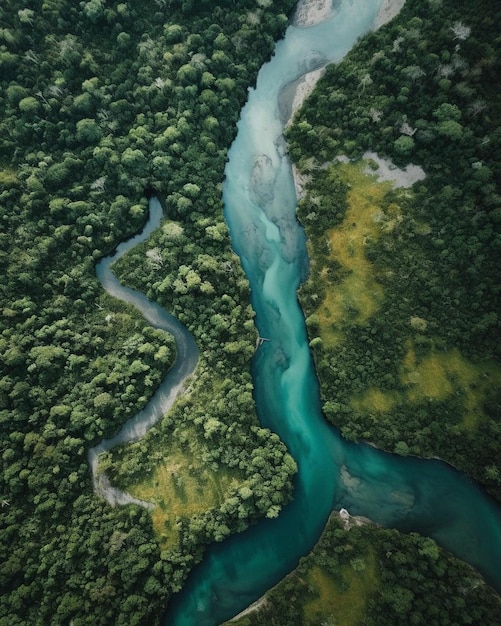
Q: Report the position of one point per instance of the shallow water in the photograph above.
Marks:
(405, 493)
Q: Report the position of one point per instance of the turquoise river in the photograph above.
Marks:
(409, 494)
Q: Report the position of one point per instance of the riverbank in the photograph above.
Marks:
(293, 96)
(354, 561)
(308, 13)
(299, 573)
(255, 606)
(311, 12)
(388, 10)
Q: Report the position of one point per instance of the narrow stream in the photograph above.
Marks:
(172, 384)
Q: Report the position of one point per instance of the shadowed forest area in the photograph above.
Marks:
(103, 103)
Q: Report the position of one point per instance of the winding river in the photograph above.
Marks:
(405, 493)
(172, 384)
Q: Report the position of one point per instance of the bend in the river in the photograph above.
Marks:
(405, 493)
(172, 383)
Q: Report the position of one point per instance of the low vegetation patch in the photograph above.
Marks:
(183, 485)
(342, 598)
(435, 377)
(402, 302)
(206, 466)
(357, 294)
(394, 375)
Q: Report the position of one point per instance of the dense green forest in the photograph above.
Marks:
(403, 303)
(103, 102)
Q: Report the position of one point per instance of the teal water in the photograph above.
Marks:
(405, 493)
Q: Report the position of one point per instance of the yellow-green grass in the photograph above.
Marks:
(8, 176)
(440, 374)
(342, 603)
(184, 480)
(357, 296)
(437, 376)
(181, 486)
(375, 400)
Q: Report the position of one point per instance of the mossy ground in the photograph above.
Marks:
(342, 599)
(180, 487)
(437, 376)
(173, 469)
(356, 294)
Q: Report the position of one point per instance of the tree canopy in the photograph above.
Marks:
(101, 103)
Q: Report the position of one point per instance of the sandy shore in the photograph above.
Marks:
(311, 12)
(388, 10)
(250, 609)
(308, 13)
(294, 94)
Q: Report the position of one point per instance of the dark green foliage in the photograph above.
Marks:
(100, 101)
(422, 89)
(415, 582)
(327, 202)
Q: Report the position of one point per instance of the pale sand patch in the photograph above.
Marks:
(305, 87)
(386, 171)
(300, 181)
(302, 90)
(388, 10)
(250, 609)
(350, 520)
(311, 12)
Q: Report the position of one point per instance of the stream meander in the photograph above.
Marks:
(171, 385)
(410, 494)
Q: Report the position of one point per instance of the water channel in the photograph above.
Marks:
(172, 384)
(405, 493)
